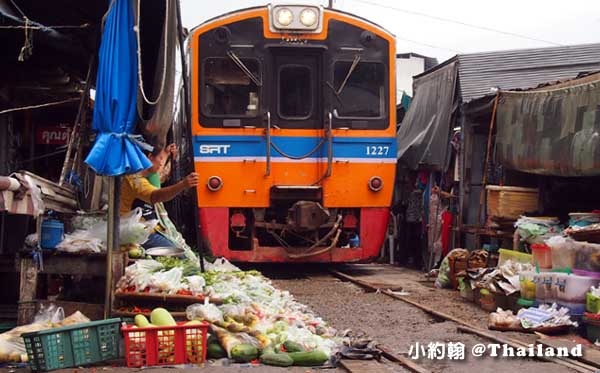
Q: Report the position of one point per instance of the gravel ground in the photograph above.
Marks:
(398, 325)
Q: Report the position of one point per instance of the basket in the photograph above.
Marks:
(458, 268)
(510, 202)
(74, 345)
(169, 345)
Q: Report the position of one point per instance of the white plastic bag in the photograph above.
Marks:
(50, 314)
(207, 311)
(196, 284)
(81, 242)
(132, 228)
(167, 282)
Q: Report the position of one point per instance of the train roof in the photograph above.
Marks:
(264, 6)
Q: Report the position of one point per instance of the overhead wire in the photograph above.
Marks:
(18, 9)
(449, 20)
(84, 25)
(427, 45)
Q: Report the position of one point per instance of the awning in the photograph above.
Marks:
(424, 136)
(554, 131)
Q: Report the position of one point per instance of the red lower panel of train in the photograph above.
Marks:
(217, 225)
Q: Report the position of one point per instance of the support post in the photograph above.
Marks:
(112, 239)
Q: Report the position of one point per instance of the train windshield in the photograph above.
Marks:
(229, 90)
(295, 91)
(362, 91)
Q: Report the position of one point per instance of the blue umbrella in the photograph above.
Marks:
(116, 151)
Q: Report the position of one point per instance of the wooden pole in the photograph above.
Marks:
(82, 101)
(487, 157)
(112, 239)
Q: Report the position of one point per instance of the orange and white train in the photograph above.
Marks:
(293, 124)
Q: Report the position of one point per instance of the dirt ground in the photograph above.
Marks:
(398, 325)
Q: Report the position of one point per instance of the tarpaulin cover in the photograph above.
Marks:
(424, 136)
(551, 132)
(159, 101)
(116, 151)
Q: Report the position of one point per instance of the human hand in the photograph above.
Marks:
(172, 150)
(191, 180)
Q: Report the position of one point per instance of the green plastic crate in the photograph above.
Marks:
(73, 346)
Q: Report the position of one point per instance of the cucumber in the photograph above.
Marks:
(215, 351)
(309, 359)
(291, 346)
(276, 359)
(244, 353)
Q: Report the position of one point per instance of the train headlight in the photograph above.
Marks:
(284, 17)
(308, 17)
(296, 19)
(214, 183)
(375, 183)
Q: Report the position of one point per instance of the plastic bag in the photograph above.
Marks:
(81, 242)
(50, 314)
(12, 346)
(196, 284)
(76, 318)
(168, 281)
(207, 311)
(220, 265)
(131, 228)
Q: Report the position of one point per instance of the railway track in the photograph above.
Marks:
(347, 299)
(463, 327)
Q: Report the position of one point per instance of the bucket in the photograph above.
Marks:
(52, 233)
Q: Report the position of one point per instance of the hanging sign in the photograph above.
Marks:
(52, 135)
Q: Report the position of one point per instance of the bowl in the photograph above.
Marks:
(165, 251)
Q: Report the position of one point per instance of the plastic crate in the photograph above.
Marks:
(73, 346)
(506, 254)
(181, 344)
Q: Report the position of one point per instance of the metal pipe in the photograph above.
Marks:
(268, 135)
(329, 144)
(186, 121)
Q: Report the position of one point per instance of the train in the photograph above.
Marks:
(293, 133)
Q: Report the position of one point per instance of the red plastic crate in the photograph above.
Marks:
(181, 344)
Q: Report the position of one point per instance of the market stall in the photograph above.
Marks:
(542, 206)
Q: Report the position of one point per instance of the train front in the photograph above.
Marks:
(293, 123)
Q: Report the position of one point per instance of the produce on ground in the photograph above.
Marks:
(255, 319)
(12, 346)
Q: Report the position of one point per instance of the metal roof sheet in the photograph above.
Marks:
(523, 68)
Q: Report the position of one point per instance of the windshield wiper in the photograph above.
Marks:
(244, 69)
(350, 71)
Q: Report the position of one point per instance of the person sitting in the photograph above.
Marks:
(137, 191)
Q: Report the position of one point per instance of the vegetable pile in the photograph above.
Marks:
(255, 322)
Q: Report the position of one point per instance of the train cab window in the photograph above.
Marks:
(295, 92)
(361, 90)
(229, 91)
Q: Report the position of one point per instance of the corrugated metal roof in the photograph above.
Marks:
(523, 68)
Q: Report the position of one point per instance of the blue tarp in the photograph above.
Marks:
(116, 151)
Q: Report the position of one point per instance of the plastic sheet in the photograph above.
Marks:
(550, 132)
(424, 135)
